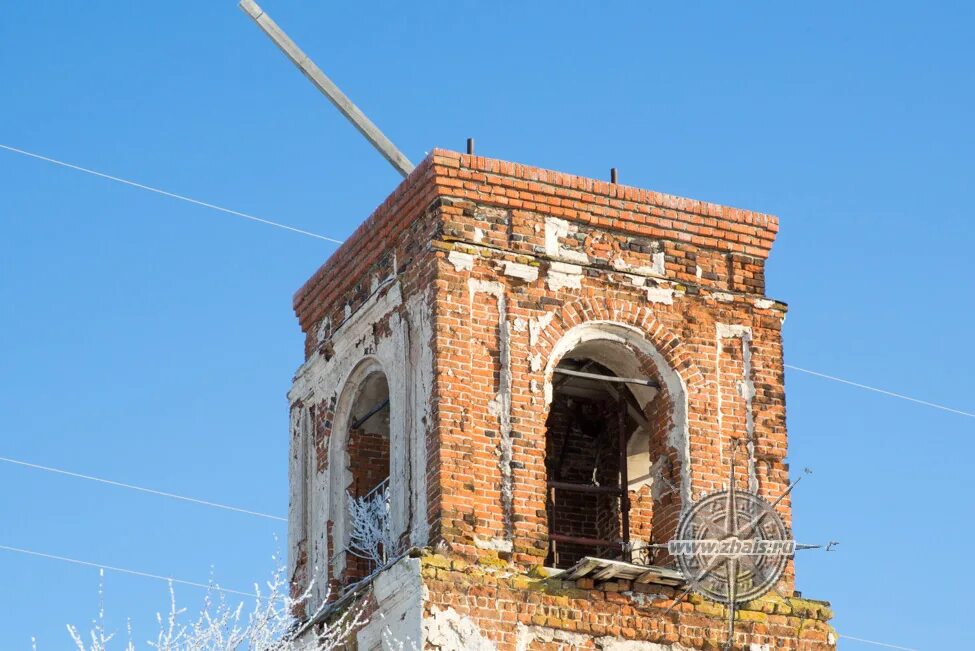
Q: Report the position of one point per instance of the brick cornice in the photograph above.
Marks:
(513, 186)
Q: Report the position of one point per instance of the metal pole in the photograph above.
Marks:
(359, 422)
(328, 88)
(624, 482)
(607, 378)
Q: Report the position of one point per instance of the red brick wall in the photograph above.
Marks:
(473, 231)
(518, 613)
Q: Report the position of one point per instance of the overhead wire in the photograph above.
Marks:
(172, 195)
(123, 570)
(326, 238)
(217, 588)
(874, 642)
(142, 489)
(882, 391)
(333, 240)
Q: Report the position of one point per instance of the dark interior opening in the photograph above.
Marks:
(585, 456)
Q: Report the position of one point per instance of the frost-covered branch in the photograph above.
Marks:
(268, 625)
(369, 530)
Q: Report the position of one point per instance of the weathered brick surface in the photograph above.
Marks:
(522, 612)
(511, 261)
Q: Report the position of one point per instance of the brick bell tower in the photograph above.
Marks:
(514, 381)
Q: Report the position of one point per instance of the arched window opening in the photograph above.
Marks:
(605, 440)
(367, 494)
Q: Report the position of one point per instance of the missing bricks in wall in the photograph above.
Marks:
(513, 273)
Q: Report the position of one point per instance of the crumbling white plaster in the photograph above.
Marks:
(419, 409)
(562, 275)
(555, 230)
(448, 630)
(323, 329)
(764, 303)
(478, 234)
(461, 261)
(745, 387)
(655, 268)
(535, 362)
(660, 295)
(537, 326)
(617, 644)
(529, 634)
(723, 297)
(525, 272)
(398, 624)
(496, 544)
(502, 400)
(406, 358)
(729, 331)
(659, 484)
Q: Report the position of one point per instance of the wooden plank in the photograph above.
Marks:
(328, 88)
(606, 573)
(661, 576)
(583, 567)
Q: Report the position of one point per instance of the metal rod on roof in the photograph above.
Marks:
(613, 175)
(328, 88)
(607, 378)
(470, 146)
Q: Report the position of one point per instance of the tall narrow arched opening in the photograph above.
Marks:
(359, 468)
(613, 447)
(367, 493)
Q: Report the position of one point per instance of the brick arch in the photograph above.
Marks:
(640, 318)
(636, 328)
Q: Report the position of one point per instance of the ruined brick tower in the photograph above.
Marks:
(464, 350)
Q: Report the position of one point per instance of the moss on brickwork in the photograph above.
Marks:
(499, 272)
(618, 608)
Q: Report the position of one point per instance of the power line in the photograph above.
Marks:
(122, 570)
(172, 195)
(884, 644)
(337, 241)
(883, 391)
(143, 489)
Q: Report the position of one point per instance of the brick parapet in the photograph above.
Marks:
(731, 243)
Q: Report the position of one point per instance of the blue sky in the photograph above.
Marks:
(153, 342)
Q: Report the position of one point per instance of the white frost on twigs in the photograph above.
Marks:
(268, 625)
(369, 531)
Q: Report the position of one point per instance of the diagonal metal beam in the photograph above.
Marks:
(328, 88)
(607, 378)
